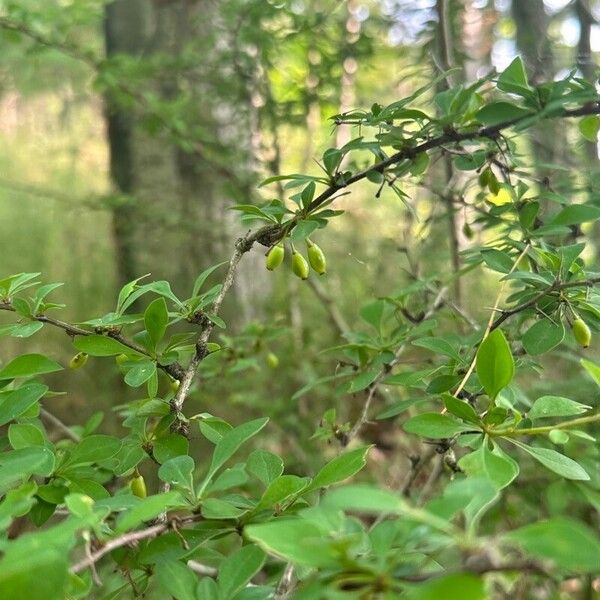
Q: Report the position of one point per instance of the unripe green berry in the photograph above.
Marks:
(316, 258)
(582, 333)
(78, 360)
(299, 265)
(272, 360)
(174, 384)
(138, 486)
(275, 256)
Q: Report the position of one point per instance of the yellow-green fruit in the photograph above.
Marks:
(316, 258)
(582, 333)
(272, 360)
(174, 384)
(138, 486)
(78, 360)
(275, 256)
(299, 265)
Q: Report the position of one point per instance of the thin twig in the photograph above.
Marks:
(202, 569)
(48, 416)
(242, 246)
(330, 306)
(123, 540)
(286, 583)
(174, 370)
(490, 323)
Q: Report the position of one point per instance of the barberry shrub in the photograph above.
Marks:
(86, 514)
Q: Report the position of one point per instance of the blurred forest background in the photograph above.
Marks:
(129, 128)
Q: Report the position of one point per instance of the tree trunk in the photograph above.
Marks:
(177, 221)
(531, 20)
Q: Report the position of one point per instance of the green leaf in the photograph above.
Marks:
(495, 365)
(13, 404)
(94, 449)
(213, 428)
(438, 345)
(370, 499)
(574, 214)
(264, 465)
(458, 585)
(169, 446)
(331, 159)
(140, 373)
(398, 407)
(589, 127)
(178, 471)
(24, 435)
(461, 409)
(435, 426)
(515, 73)
(20, 464)
(308, 194)
(156, 318)
(497, 260)
(362, 381)
(500, 112)
(36, 567)
(208, 590)
(556, 462)
(100, 345)
(293, 539)
(228, 445)
(238, 569)
(592, 369)
(470, 162)
(556, 406)
(28, 365)
(514, 79)
(364, 498)
(229, 478)
(215, 508)
(419, 164)
(303, 229)
(146, 509)
(542, 336)
(340, 468)
(281, 489)
(26, 330)
(203, 277)
(372, 313)
(494, 465)
(568, 543)
(126, 291)
(176, 579)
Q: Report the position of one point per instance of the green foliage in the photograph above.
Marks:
(227, 517)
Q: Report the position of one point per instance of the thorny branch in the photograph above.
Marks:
(269, 234)
(174, 370)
